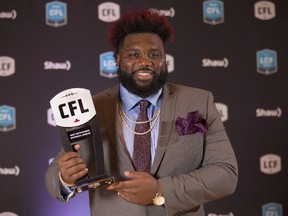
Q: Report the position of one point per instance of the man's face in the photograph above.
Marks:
(142, 64)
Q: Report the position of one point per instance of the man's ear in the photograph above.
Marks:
(117, 59)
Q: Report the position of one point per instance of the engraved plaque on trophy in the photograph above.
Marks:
(77, 123)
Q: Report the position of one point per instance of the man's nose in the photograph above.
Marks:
(144, 62)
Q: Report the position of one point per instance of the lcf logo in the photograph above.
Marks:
(272, 209)
(7, 118)
(267, 61)
(108, 67)
(56, 14)
(213, 12)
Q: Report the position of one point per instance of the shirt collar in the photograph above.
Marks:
(129, 100)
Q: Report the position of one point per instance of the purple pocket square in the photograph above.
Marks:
(192, 124)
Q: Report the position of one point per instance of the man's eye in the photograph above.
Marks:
(155, 55)
(133, 55)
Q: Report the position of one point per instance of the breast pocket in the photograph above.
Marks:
(185, 152)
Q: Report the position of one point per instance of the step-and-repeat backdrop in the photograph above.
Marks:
(236, 49)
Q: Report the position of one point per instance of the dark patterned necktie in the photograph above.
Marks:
(142, 143)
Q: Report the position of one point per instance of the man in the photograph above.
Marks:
(189, 160)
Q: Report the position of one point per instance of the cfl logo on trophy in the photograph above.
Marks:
(223, 111)
(213, 12)
(267, 61)
(272, 209)
(7, 66)
(56, 14)
(108, 12)
(7, 118)
(108, 67)
(270, 164)
(264, 10)
(170, 63)
(72, 107)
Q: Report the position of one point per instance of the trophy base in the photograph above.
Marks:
(93, 183)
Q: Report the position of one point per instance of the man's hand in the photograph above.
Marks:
(141, 189)
(71, 166)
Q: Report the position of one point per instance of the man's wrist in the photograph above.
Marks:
(159, 198)
(63, 182)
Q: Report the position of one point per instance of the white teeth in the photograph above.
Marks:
(144, 74)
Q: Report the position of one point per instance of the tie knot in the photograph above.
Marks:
(144, 104)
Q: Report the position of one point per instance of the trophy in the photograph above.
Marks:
(77, 123)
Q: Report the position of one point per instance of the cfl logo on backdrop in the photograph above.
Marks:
(223, 111)
(170, 63)
(56, 14)
(213, 12)
(7, 118)
(272, 209)
(267, 61)
(50, 118)
(108, 12)
(7, 66)
(270, 164)
(264, 10)
(108, 66)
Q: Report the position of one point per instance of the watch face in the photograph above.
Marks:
(159, 200)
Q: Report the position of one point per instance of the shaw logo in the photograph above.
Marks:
(108, 11)
(266, 61)
(56, 14)
(213, 214)
(270, 164)
(213, 12)
(169, 13)
(8, 15)
(49, 65)
(268, 113)
(223, 111)
(264, 10)
(7, 66)
(206, 62)
(10, 171)
(272, 209)
(8, 214)
(7, 118)
(170, 63)
(108, 67)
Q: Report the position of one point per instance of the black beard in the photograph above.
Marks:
(157, 83)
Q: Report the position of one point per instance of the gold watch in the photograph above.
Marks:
(158, 199)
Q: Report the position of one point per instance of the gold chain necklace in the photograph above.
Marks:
(153, 120)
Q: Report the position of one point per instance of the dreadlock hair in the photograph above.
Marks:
(141, 21)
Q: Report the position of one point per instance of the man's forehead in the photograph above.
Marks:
(137, 39)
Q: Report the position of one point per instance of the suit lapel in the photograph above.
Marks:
(166, 124)
(114, 128)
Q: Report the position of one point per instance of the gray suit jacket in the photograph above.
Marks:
(192, 169)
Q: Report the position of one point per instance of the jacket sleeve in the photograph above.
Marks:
(215, 178)
(53, 184)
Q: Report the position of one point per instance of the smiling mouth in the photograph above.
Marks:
(144, 75)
